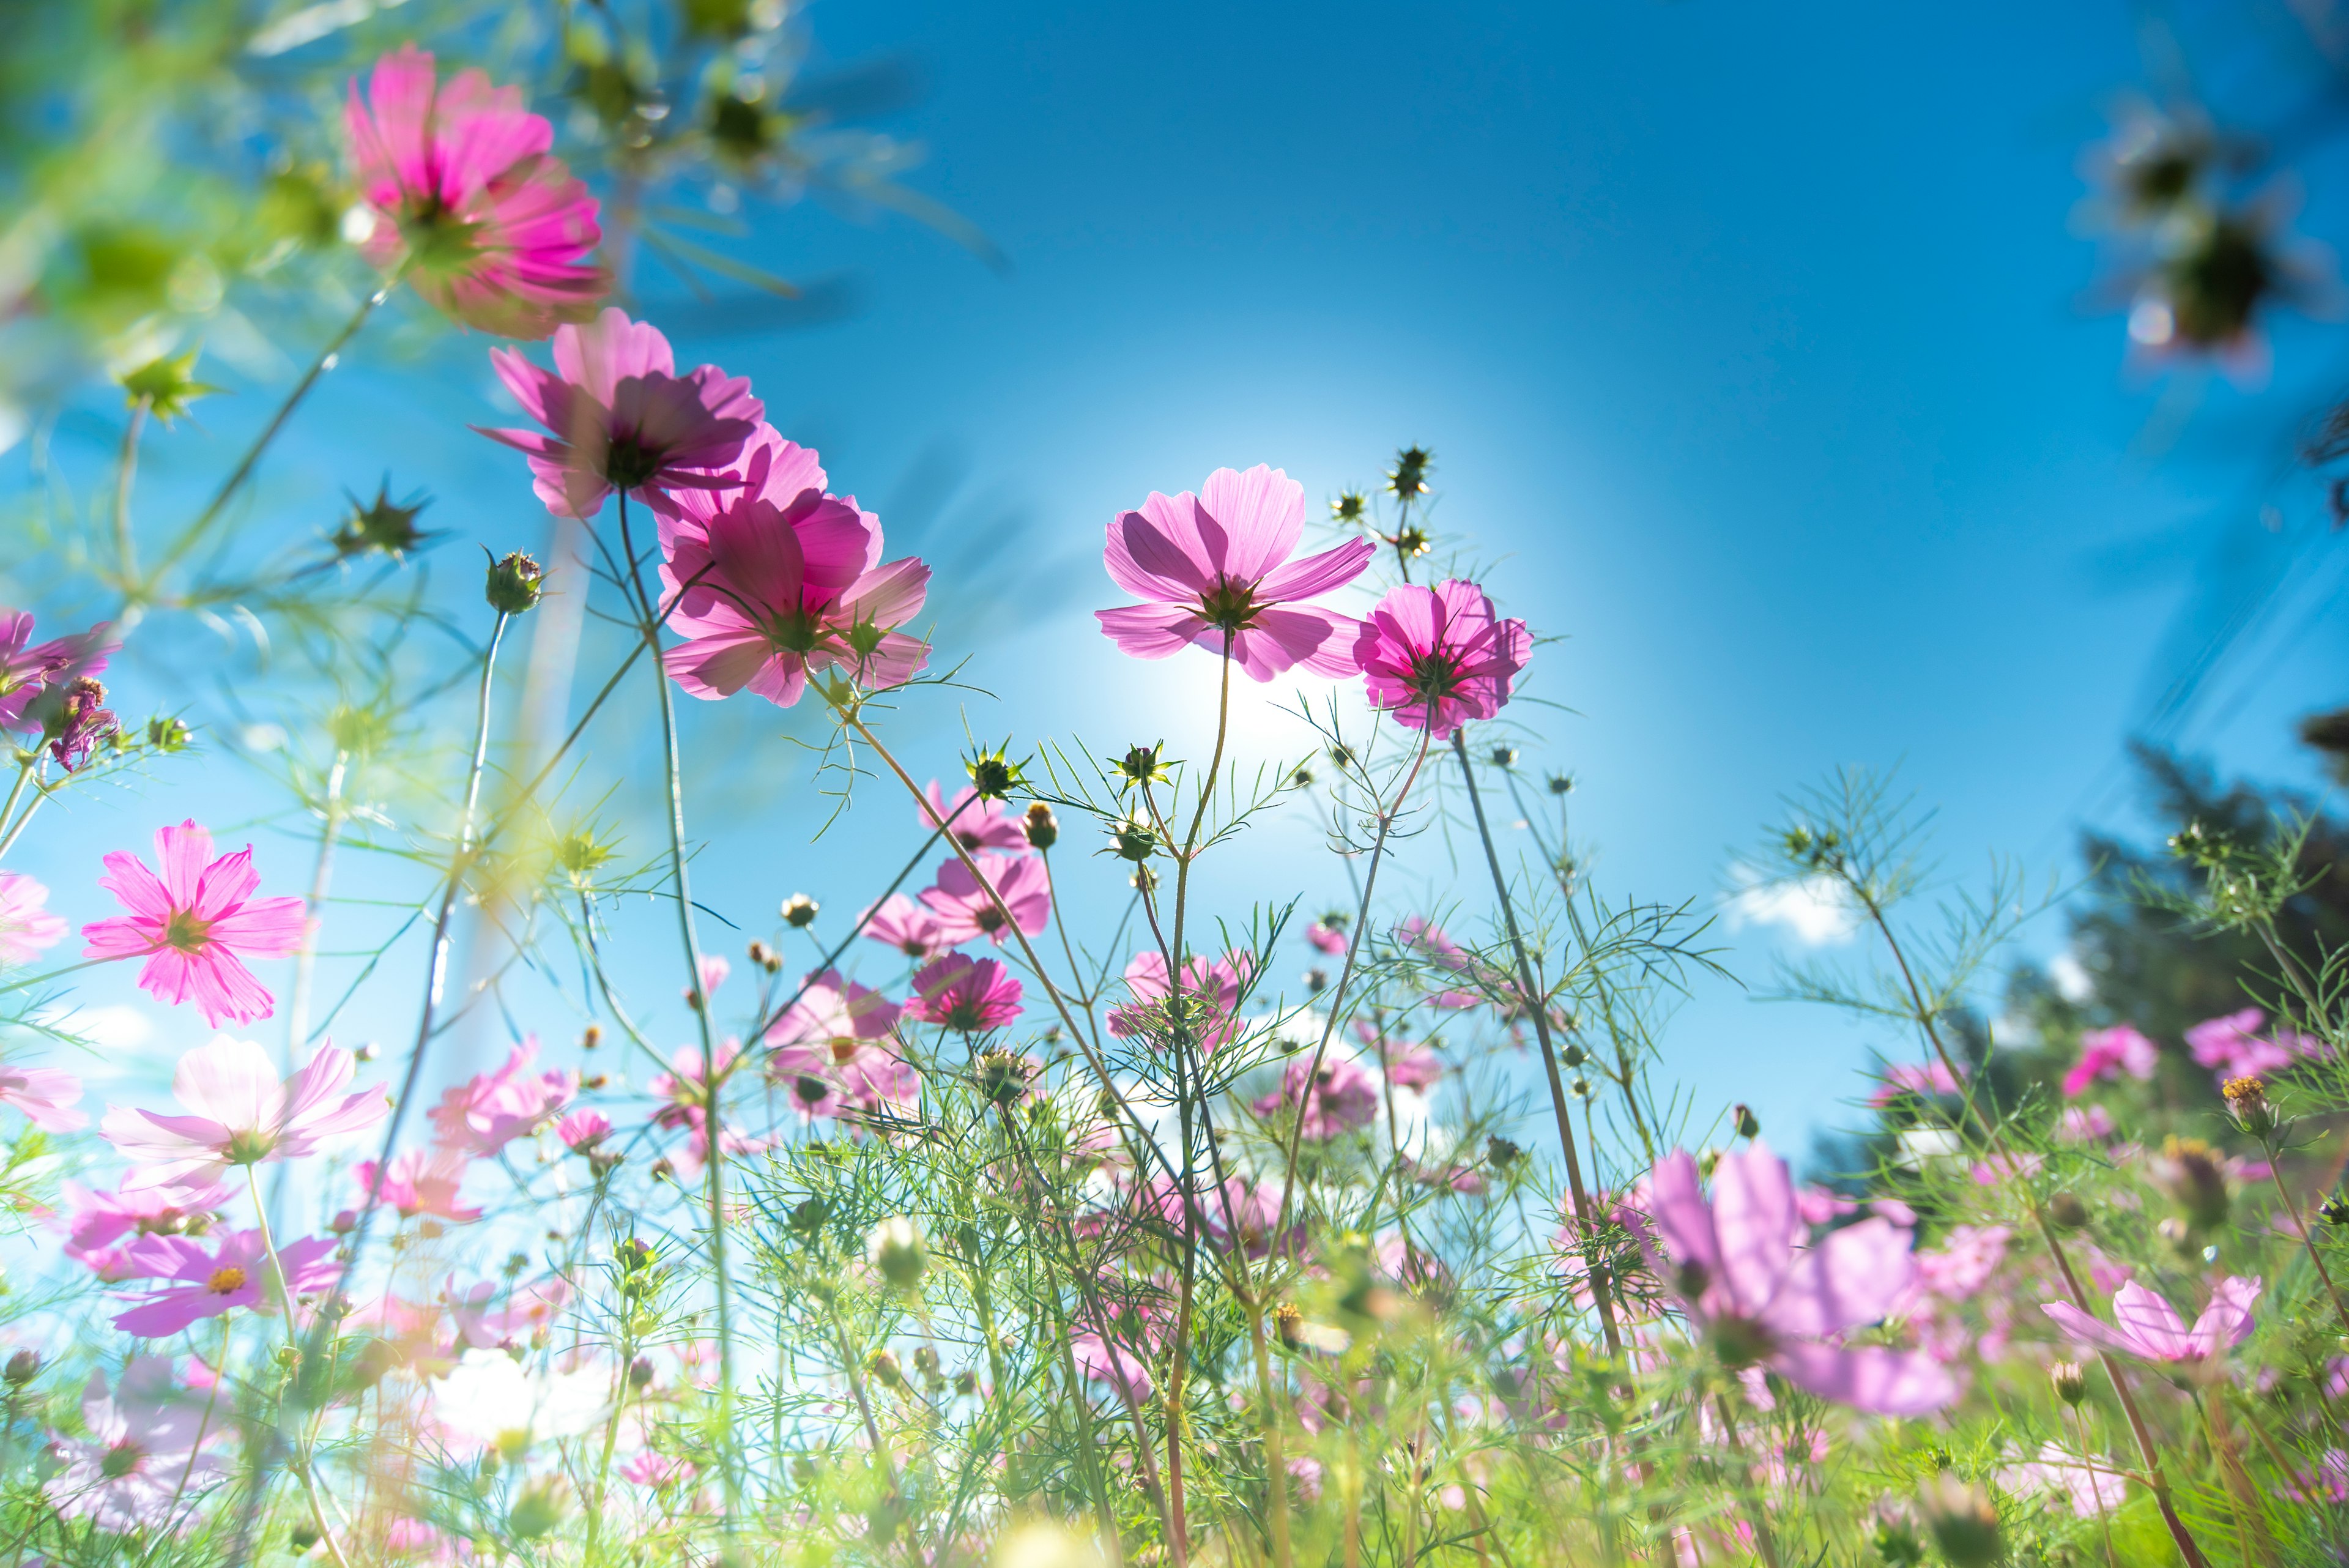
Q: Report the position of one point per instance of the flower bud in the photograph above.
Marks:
(885, 1366)
(169, 735)
(799, 911)
(514, 585)
(992, 774)
(1290, 1324)
(2071, 1380)
(2066, 1212)
(1963, 1521)
(1501, 1152)
(1574, 1055)
(538, 1510)
(895, 1249)
(1407, 480)
(1042, 828)
(1348, 507)
(1133, 839)
(1316, 980)
(2333, 1211)
(640, 1372)
(1141, 765)
(966, 1383)
(591, 1037)
(1749, 1125)
(1561, 783)
(2188, 1171)
(22, 1368)
(1504, 756)
(1002, 1076)
(2246, 1102)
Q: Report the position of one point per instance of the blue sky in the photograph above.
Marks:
(1753, 344)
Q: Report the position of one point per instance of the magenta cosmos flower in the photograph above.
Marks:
(461, 191)
(27, 669)
(1336, 1097)
(976, 824)
(1439, 657)
(1765, 1297)
(490, 1110)
(27, 927)
(965, 909)
(232, 1271)
(908, 927)
(242, 1114)
(621, 418)
(969, 995)
(1214, 566)
(778, 581)
(191, 923)
(139, 1452)
(2107, 1053)
(2148, 1327)
(95, 1220)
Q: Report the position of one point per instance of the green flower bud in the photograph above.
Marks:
(515, 584)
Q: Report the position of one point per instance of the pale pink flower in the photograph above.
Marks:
(685, 1088)
(1327, 938)
(1964, 1262)
(657, 1471)
(621, 417)
(908, 927)
(1209, 1002)
(976, 824)
(421, 1182)
(970, 996)
(1932, 1077)
(2148, 1327)
(27, 669)
(1215, 570)
(43, 1094)
(2229, 1048)
(463, 192)
(234, 1271)
(95, 1220)
(834, 1015)
(530, 1311)
(27, 927)
(1764, 1298)
(1409, 1063)
(1336, 1096)
(843, 1074)
(1823, 1205)
(1439, 657)
(582, 1130)
(1102, 1362)
(778, 581)
(191, 922)
(2090, 1124)
(490, 1110)
(2108, 1053)
(2091, 1486)
(965, 909)
(241, 1114)
(713, 970)
(139, 1451)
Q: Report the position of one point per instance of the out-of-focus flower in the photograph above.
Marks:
(490, 1110)
(659, 1473)
(530, 1311)
(2091, 1124)
(908, 927)
(27, 669)
(1412, 1064)
(2108, 1053)
(582, 1130)
(464, 195)
(243, 1114)
(835, 1016)
(235, 1272)
(1336, 1097)
(95, 1220)
(971, 996)
(966, 908)
(685, 1088)
(619, 417)
(1207, 1007)
(1215, 570)
(191, 922)
(139, 1451)
(491, 1399)
(1326, 937)
(1901, 1078)
(43, 1094)
(2090, 1485)
(1964, 1262)
(2148, 1327)
(421, 1182)
(2231, 1047)
(27, 927)
(75, 718)
(2216, 270)
(1765, 1299)
(977, 821)
(1438, 657)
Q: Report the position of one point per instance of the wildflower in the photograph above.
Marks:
(27, 670)
(967, 995)
(1041, 827)
(2089, 1485)
(75, 719)
(491, 1399)
(138, 1453)
(2229, 1046)
(27, 927)
(896, 1251)
(1336, 1097)
(581, 1131)
(95, 1220)
(234, 1272)
(713, 968)
(1439, 657)
(515, 584)
(977, 821)
(657, 1471)
(969, 905)
(829, 1023)
(464, 196)
(43, 1094)
(1207, 1009)
(621, 417)
(2247, 1101)
(1409, 1065)
(241, 1114)
(686, 1089)
(908, 927)
(1763, 1300)
(1932, 1077)
(490, 1110)
(1328, 934)
(419, 1182)
(2148, 1327)
(1215, 570)
(779, 581)
(2105, 1051)
(530, 1311)
(191, 922)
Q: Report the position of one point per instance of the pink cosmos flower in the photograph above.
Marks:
(657, 1471)
(835, 1014)
(582, 1130)
(139, 1454)
(2229, 1046)
(778, 581)
(685, 1087)
(242, 1114)
(965, 909)
(94, 1220)
(27, 927)
(1439, 657)
(191, 922)
(233, 1272)
(43, 1094)
(461, 191)
(1764, 1298)
(714, 969)
(1901, 1078)
(1338, 1096)
(418, 1181)
(622, 418)
(490, 1110)
(2090, 1485)
(1329, 939)
(530, 1311)
(2107, 1053)
(976, 824)
(2091, 1124)
(908, 927)
(1215, 572)
(26, 670)
(970, 996)
(1210, 1001)
(1409, 1064)
(844, 1077)
(2148, 1327)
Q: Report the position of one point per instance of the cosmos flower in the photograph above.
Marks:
(582, 1130)
(1439, 657)
(530, 1310)
(971, 996)
(490, 1110)
(2105, 1053)
(1216, 567)
(27, 927)
(1764, 1297)
(139, 1452)
(685, 1088)
(1326, 938)
(421, 1182)
(2231, 1047)
(241, 1114)
(43, 1094)
(621, 418)
(2148, 1327)
(95, 1220)
(234, 1271)
(192, 921)
(1901, 1078)
(28, 669)
(461, 191)
(910, 928)
(1209, 1002)
(976, 824)
(965, 909)
(1336, 1097)
(1409, 1064)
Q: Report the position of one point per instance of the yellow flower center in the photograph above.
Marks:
(226, 1282)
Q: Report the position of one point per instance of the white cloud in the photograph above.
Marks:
(113, 1028)
(1814, 909)
(2072, 980)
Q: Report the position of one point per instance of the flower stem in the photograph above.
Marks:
(126, 470)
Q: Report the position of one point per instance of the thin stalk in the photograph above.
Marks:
(2307, 1238)
(305, 957)
(126, 470)
(294, 1343)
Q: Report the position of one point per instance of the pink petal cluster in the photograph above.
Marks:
(192, 921)
(2108, 1053)
(490, 1110)
(95, 1220)
(1214, 571)
(911, 928)
(1766, 1296)
(240, 1114)
(234, 1271)
(139, 1451)
(1210, 999)
(1438, 657)
(1408, 1064)
(28, 669)
(685, 1088)
(777, 580)
(2231, 1047)
(828, 1051)
(1326, 938)
(618, 417)
(27, 927)
(1932, 1077)
(2145, 1326)
(463, 192)
(530, 1311)
(419, 1181)
(1336, 1097)
(968, 995)
(581, 1131)
(967, 905)
(976, 824)
(44, 1095)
